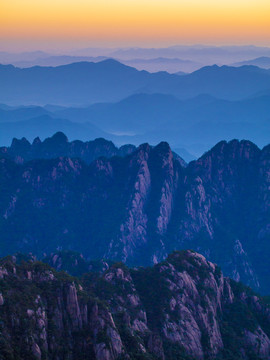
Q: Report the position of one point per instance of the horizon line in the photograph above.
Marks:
(125, 47)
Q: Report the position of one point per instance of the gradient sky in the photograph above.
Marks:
(29, 24)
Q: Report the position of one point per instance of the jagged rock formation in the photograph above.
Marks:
(182, 308)
(58, 145)
(139, 208)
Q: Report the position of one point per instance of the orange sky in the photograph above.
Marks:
(133, 22)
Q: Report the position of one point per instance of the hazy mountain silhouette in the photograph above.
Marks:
(22, 113)
(77, 83)
(9, 57)
(152, 65)
(206, 55)
(194, 124)
(6, 107)
(57, 60)
(203, 119)
(45, 126)
(263, 62)
(171, 65)
(224, 82)
(109, 80)
(198, 53)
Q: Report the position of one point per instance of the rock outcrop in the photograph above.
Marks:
(182, 308)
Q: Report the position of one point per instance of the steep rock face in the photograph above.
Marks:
(182, 308)
(220, 206)
(133, 229)
(139, 208)
(50, 314)
(262, 236)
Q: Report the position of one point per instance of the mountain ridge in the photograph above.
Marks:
(84, 85)
(262, 61)
(149, 204)
(58, 145)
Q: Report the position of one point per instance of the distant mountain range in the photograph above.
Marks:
(10, 57)
(140, 207)
(115, 101)
(157, 116)
(109, 81)
(171, 59)
(193, 125)
(198, 53)
(78, 83)
(151, 65)
(56, 60)
(14, 114)
(263, 62)
(170, 65)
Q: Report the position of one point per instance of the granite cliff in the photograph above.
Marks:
(182, 308)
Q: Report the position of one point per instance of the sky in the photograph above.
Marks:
(62, 24)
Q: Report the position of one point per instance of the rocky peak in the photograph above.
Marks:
(36, 141)
(19, 149)
(126, 149)
(58, 137)
(142, 152)
(224, 159)
(163, 147)
(20, 144)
